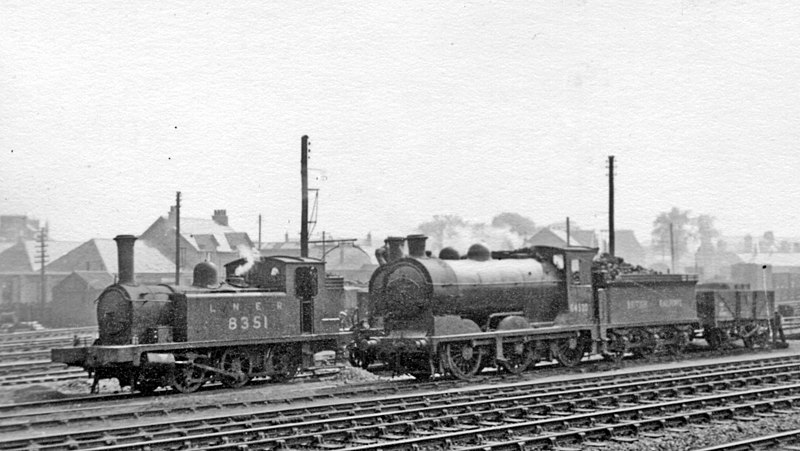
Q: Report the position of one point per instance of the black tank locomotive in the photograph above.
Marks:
(267, 321)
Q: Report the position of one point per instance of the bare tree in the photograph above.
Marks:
(680, 221)
(521, 225)
(704, 229)
(441, 227)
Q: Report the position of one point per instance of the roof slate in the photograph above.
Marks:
(146, 259)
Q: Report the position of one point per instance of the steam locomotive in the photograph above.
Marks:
(511, 309)
(269, 321)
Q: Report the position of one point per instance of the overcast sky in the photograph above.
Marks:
(413, 109)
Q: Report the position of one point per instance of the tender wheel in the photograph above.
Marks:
(284, 366)
(518, 357)
(237, 362)
(463, 360)
(187, 378)
(569, 352)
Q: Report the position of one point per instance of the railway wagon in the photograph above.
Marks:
(640, 311)
(727, 314)
(268, 319)
(510, 309)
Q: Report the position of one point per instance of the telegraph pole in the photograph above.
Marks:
(42, 260)
(259, 232)
(178, 238)
(611, 239)
(304, 188)
(672, 247)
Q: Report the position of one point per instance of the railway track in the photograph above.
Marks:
(47, 334)
(37, 373)
(534, 413)
(395, 387)
(783, 441)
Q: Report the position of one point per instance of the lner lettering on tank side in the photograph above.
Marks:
(235, 307)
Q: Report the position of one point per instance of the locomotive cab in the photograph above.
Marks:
(573, 266)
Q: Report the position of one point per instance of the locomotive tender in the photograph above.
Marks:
(511, 309)
(267, 321)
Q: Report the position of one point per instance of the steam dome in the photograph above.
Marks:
(479, 252)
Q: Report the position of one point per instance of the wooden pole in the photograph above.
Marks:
(304, 188)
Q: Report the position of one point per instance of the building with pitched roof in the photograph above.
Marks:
(342, 257)
(18, 227)
(74, 299)
(20, 277)
(100, 255)
(201, 239)
(558, 238)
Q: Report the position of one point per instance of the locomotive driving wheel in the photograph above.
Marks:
(518, 357)
(569, 352)
(236, 362)
(463, 360)
(188, 378)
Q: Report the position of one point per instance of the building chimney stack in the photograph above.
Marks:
(125, 258)
(220, 217)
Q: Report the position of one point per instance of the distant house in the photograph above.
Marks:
(20, 277)
(628, 247)
(100, 255)
(342, 257)
(18, 227)
(74, 299)
(201, 239)
(559, 238)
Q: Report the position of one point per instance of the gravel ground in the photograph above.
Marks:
(298, 387)
(711, 435)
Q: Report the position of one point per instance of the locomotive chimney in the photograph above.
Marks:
(125, 258)
(416, 245)
(395, 244)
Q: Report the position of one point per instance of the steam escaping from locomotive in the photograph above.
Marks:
(250, 256)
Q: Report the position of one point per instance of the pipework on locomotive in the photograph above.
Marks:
(511, 309)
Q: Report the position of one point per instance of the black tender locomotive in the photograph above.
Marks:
(268, 321)
(511, 309)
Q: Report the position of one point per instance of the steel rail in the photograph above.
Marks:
(782, 440)
(542, 404)
(487, 433)
(17, 411)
